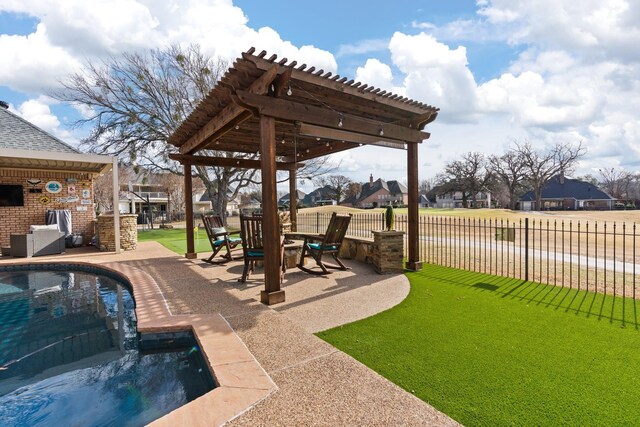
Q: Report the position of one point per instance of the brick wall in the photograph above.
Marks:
(16, 220)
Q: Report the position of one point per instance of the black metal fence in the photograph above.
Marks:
(590, 255)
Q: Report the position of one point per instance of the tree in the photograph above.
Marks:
(338, 186)
(469, 175)
(509, 170)
(541, 166)
(134, 102)
(616, 182)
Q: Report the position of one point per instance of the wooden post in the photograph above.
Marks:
(293, 200)
(116, 203)
(272, 293)
(188, 198)
(413, 259)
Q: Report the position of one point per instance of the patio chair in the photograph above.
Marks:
(327, 244)
(220, 239)
(253, 247)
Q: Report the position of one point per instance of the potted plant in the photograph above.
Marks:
(389, 218)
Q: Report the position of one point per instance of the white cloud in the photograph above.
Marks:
(362, 47)
(37, 111)
(72, 31)
(377, 74)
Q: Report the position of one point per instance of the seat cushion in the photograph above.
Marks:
(255, 253)
(316, 247)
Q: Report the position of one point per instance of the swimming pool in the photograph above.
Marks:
(70, 353)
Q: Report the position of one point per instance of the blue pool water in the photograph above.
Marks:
(70, 355)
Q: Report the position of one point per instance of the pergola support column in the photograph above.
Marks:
(413, 259)
(293, 201)
(272, 293)
(188, 198)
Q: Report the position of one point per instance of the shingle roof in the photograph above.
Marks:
(17, 133)
(299, 196)
(571, 188)
(393, 187)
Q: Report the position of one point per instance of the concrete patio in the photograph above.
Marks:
(316, 383)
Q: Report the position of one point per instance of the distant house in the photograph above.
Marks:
(379, 193)
(202, 203)
(284, 200)
(319, 197)
(455, 199)
(562, 193)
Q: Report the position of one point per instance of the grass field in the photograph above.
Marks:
(488, 350)
(175, 239)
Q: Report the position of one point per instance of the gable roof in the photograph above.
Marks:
(393, 187)
(299, 196)
(570, 189)
(17, 133)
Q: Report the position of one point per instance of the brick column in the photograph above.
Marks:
(388, 251)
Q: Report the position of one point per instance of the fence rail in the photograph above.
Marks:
(591, 255)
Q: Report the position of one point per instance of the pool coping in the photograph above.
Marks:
(242, 382)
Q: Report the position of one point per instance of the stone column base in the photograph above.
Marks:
(414, 265)
(191, 255)
(270, 298)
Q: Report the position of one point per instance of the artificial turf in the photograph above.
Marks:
(488, 350)
(175, 239)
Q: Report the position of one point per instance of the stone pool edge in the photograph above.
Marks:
(242, 382)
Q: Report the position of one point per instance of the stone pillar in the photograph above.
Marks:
(128, 232)
(388, 251)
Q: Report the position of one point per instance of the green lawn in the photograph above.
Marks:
(491, 351)
(175, 239)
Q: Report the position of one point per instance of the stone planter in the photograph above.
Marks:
(388, 251)
(128, 232)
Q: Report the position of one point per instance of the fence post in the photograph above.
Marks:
(317, 222)
(526, 249)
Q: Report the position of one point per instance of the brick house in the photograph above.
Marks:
(39, 172)
(379, 193)
(561, 193)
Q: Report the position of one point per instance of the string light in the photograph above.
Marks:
(381, 132)
(340, 122)
(289, 91)
(327, 144)
(237, 127)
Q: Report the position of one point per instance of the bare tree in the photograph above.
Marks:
(338, 186)
(541, 166)
(134, 102)
(469, 175)
(616, 182)
(509, 170)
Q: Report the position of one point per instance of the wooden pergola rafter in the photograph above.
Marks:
(287, 114)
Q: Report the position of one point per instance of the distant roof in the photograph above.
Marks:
(17, 133)
(570, 189)
(393, 187)
(299, 196)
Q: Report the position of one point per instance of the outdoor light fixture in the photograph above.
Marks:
(321, 132)
(237, 127)
(289, 91)
(340, 122)
(381, 131)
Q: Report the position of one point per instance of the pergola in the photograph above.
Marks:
(285, 114)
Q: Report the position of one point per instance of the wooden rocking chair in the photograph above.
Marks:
(253, 247)
(329, 243)
(220, 239)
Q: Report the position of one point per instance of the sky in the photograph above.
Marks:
(501, 71)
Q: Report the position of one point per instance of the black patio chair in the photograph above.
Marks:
(220, 239)
(327, 244)
(253, 245)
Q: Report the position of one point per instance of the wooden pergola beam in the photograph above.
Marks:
(345, 135)
(319, 151)
(186, 159)
(232, 115)
(294, 111)
(337, 85)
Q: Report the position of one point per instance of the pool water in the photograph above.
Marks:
(70, 355)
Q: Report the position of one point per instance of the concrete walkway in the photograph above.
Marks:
(317, 384)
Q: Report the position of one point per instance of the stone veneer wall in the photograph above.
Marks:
(128, 232)
(18, 219)
(388, 251)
